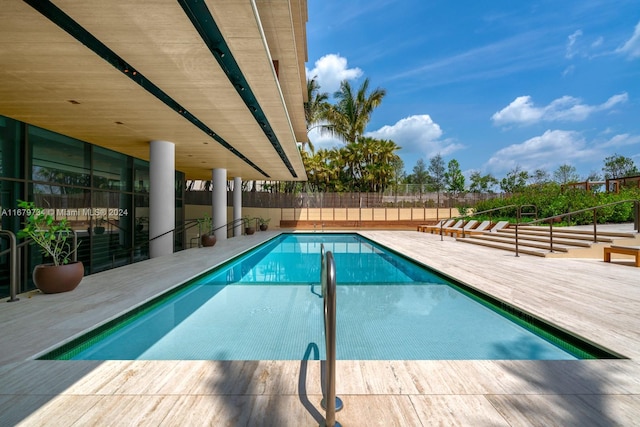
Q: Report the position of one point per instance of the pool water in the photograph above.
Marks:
(267, 305)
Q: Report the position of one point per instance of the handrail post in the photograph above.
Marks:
(595, 231)
(13, 265)
(517, 224)
(331, 403)
(551, 236)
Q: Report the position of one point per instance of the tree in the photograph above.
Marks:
(617, 166)
(420, 176)
(515, 181)
(315, 110)
(349, 117)
(540, 176)
(453, 178)
(481, 183)
(436, 171)
(368, 165)
(398, 174)
(566, 174)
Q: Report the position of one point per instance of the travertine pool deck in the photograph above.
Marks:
(596, 300)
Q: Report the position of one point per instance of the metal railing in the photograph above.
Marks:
(330, 402)
(551, 219)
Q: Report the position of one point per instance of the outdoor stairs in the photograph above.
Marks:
(567, 242)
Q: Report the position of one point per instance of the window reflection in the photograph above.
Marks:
(59, 159)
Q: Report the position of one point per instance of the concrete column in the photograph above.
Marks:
(162, 198)
(219, 203)
(237, 206)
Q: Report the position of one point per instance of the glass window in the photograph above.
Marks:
(10, 143)
(141, 176)
(180, 181)
(111, 170)
(111, 230)
(141, 236)
(59, 159)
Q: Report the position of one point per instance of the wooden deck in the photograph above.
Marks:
(596, 300)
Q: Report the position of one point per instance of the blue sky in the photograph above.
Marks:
(495, 85)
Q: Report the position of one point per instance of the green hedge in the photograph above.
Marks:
(549, 200)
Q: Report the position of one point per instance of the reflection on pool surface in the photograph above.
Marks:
(267, 305)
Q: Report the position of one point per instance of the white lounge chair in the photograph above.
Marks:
(444, 223)
(462, 230)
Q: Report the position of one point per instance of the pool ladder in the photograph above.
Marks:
(330, 402)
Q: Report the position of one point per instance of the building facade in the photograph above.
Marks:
(102, 193)
(107, 108)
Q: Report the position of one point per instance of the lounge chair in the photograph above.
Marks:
(499, 226)
(462, 230)
(444, 223)
(438, 229)
(482, 227)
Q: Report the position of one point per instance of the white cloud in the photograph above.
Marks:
(567, 108)
(568, 71)
(417, 135)
(330, 70)
(621, 140)
(323, 141)
(547, 151)
(598, 42)
(632, 46)
(573, 38)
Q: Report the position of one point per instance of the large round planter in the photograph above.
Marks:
(249, 230)
(53, 279)
(208, 240)
(263, 227)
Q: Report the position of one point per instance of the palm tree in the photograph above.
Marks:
(352, 112)
(316, 107)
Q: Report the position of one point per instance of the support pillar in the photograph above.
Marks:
(237, 206)
(162, 210)
(219, 203)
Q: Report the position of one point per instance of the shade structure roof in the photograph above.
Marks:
(222, 79)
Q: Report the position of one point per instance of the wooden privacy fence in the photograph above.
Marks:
(359, 217)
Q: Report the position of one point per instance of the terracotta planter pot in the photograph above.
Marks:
(208, 240)
(51, 279)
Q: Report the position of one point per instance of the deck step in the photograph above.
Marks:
(562, 235)
(527, 243)
(557, 240)
(503, 246)
(573, 231)
(535, 240)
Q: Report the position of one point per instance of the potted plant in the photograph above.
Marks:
(207, 238)
(248, 228)
(62, 274)
(264, 223)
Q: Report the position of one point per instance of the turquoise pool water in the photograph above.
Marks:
(267, 305)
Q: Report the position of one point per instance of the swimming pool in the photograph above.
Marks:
(267, 305)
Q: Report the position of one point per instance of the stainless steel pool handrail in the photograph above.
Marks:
(330, 402)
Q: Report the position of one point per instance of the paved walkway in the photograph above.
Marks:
(596, 300)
